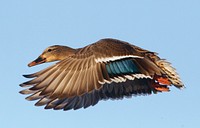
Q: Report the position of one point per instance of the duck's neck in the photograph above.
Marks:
(65, 52)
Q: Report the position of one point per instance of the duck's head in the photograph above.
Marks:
(53, 53)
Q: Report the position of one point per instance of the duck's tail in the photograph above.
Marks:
(171, 73)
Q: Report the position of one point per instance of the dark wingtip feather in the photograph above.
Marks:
(22, 92)
(40, 104)
(26, 84)
(26, 91)
(31, 98)
(58, 108)
(48, 107)
(22, 85)
(180, 86)
(29, 76)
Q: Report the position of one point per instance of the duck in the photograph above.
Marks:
(107, 69)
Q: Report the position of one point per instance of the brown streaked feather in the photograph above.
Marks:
(54, 83)
(34, 96)
(56, 87)
(38, 73)
(43, 101)
(83, 82)
(27, 91)
(81, 79)
(61, 87)
(96, 79)
(56, 91)
(105, 74)
(99, 73)
(37, 79)
(43, 84)
(41, 81)
(48, 87)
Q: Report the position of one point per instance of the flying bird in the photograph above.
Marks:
(106, 69)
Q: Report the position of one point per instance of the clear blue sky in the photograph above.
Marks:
(171, 28)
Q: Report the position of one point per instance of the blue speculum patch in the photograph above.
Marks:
(121, 67)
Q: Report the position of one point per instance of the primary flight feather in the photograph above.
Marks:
(106, 69)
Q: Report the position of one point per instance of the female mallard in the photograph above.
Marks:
(107, 69)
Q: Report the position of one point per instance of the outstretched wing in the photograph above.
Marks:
(103, 70)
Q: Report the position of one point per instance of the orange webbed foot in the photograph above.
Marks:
(161, 88)
(162, 80)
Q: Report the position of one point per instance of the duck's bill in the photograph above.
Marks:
(39, 60)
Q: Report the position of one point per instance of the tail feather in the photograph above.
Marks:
(170, 72)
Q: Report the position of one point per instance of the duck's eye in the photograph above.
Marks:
(49, 50)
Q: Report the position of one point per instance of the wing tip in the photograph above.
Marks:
(22, 92)
(22, 85)
(29, 75)
(180, 86)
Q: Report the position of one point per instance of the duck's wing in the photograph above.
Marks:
(106, 69)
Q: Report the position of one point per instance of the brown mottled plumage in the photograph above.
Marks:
(107, 69)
